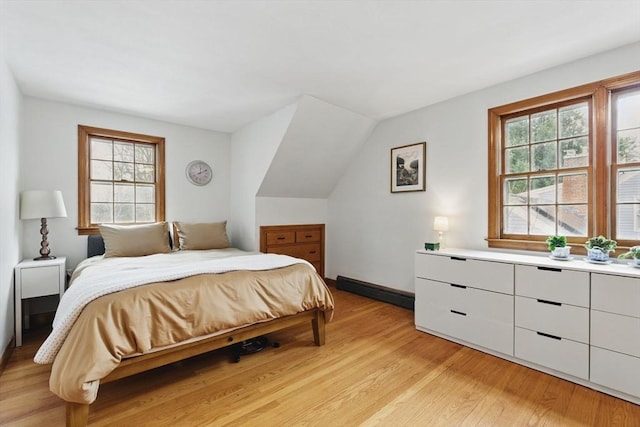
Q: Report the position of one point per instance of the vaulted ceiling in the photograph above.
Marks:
(220, 65)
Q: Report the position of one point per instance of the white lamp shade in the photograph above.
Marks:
(441, 223)
(42, 204)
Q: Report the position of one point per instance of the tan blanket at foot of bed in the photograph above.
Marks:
(149, 317)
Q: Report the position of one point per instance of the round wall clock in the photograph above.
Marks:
(199, 172)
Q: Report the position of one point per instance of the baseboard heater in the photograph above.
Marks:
(381, 293)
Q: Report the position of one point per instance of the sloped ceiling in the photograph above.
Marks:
(315, 150)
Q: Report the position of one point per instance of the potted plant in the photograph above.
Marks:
(634, 254)
(558, 246)
(598, 248)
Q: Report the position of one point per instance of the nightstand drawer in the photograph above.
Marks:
(563, 320)
(562, 355)
(553, 284)
(40, 281)
(280, 237)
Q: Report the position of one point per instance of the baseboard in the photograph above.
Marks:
(381, 293)
(6, 354)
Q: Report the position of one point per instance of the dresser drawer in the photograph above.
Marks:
(280, 237)
(307, 236)
(492, 276)
(615, 294)
(308, 251)
(615, 370)
(480, 317)
(497, 336)
(615, 332)
(551, 284)
(562, 355)
(566, 321)
(40, 281)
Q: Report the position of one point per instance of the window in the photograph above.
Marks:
(549, 166)
(120, 178)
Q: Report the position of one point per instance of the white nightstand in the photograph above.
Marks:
(37, 279)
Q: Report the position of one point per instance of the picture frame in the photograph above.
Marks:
(408, 168)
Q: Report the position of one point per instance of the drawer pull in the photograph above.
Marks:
(280, 238)
(544, 301)
(312, 252)
(458, 312)
(457, 286)
(308, 236)
(549, 336)
(455, 258)
(557, 270)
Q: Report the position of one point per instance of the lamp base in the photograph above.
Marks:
(44, 258)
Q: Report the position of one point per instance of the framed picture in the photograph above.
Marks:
(408, 168)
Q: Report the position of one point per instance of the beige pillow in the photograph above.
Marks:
(135, 240)
(206, 235)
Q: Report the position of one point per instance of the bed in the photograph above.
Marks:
(124, 314)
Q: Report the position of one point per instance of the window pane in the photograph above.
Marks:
(517, 160)
(572, 220)
(628, 185)
(101, 170)
(515, 191)
(542, 220)
(145, 173)
(543, 126)
(574, 152)
(124, 212)
(517, 131)
(543, 190)
(101, 213)
(628, 110)
(574, 120)
(629, 145)
(544, 156)
(145, 154)
(101, 149)
(122, 171)
(123, 193)
(572, 188)
(145, 194)
(123, 152)
(145, 213)
(628, 221)
(515, 220)
(101, 192)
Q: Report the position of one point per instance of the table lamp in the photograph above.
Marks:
(441, 224)
(42, 204)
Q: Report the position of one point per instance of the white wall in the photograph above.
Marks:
(290, 210)
(373, 234)
(252, 149)
(10, 246)
(50, 161)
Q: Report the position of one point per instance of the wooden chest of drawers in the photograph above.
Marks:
(301, 241)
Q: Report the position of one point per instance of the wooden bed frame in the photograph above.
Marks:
(77, 414)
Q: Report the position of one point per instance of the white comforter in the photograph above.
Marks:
(91, 283)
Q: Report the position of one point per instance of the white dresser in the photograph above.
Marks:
(576, 320)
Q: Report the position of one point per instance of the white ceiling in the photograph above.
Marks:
(222, 64)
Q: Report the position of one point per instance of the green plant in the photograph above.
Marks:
(556, 242)
(634, 252)
(602, 243)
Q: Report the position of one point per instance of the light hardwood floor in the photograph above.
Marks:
(375, 370)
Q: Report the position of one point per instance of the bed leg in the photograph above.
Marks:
(77, 414)
(318, 324)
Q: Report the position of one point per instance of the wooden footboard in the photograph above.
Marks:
(78, 414)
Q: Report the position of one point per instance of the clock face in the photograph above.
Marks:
(199, 172)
